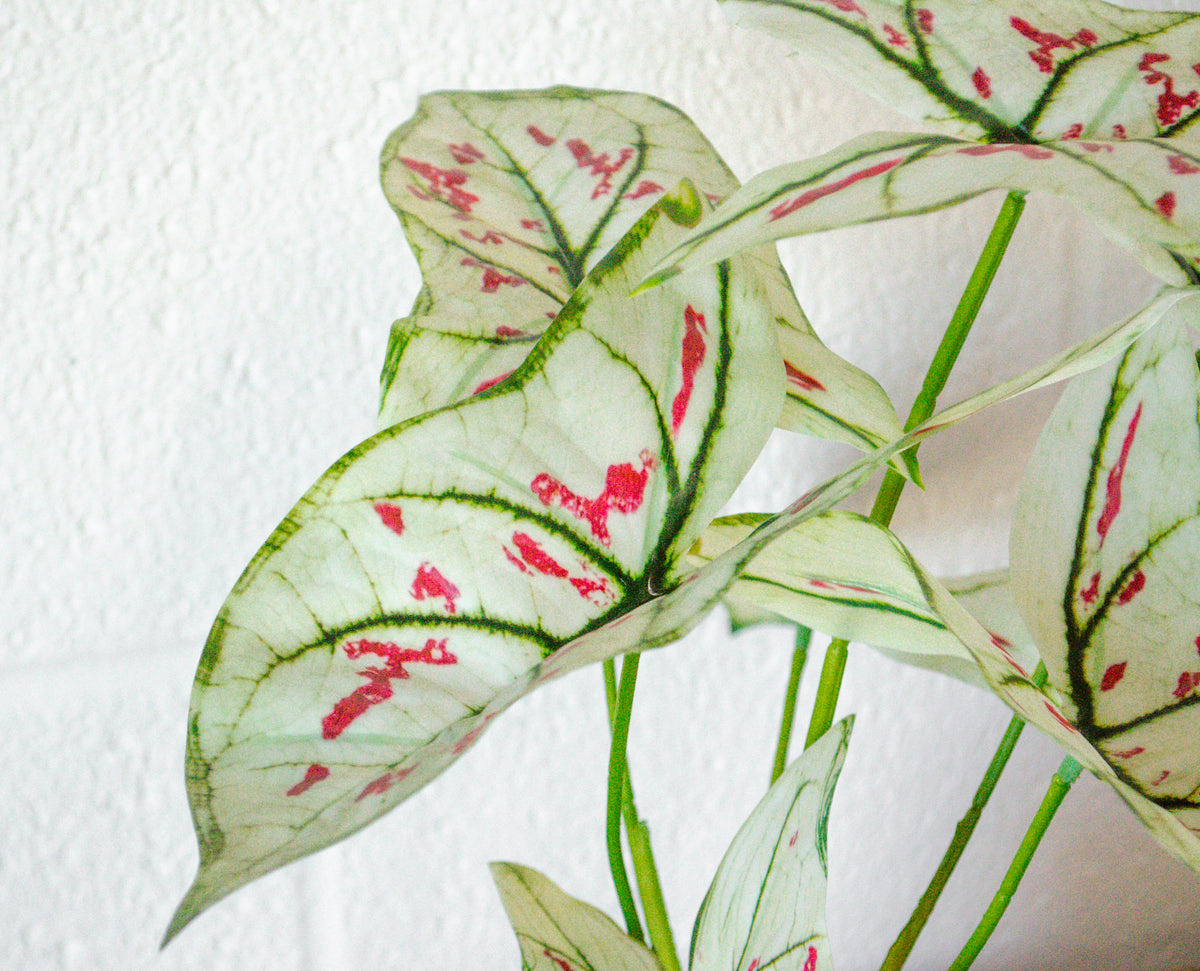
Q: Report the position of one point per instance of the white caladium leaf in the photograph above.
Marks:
(1145, 194)
(510, 198)
(414, 590)
(1106, 565)
(556, 932)
(840, 573)
(1009, 71)
(766, 905)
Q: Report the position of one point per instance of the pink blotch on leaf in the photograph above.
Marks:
(563, 964)
(539, 136)
(1048, 42)
(532, 224)
(812, 195)
(1112, 675)
(644, 188)
(490, 382)
(894, 37)
(491, 236)
(391, 517)
(1188, 682)
(430, 584)
(1029, 151)
(1074, 132)
(802, 380)
(509, 333)
(753, 965)
(1181, 165)
(982, 83)
(1118, 132)
(472, 736)
(444, 184)
(1130, 752)
(925, 20)
(600, 165)
(1112, 491)
(1170, 104)
(377, 787)
(378, 687)
(692, 357)
(493, 279)
(1162, 778)
(792, 841)
(846, 6)
(465, 154)
(316, 773)
(1092, 590)
(1058, 716)
(1165, 204)
(810, 963)
(1132, 588)
(624, 489)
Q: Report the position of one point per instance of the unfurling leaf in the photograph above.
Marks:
(556, 932)
(766, 906)
(414, 590)
(510, 198)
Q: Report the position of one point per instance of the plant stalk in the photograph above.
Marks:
(935, 380)
(621, 805)
(1060, 785)
(907, 938)
(618, 773)
(799, 656)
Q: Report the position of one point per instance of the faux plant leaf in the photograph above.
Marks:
(835, 574)
(413, 591)
(1145, 194)
(556, 932)
(766, 905)
(509, 198)
(1011, 71)
(1105, 548)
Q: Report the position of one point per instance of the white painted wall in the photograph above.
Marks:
(197, 280)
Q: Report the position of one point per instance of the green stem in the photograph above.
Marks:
(1060, 785)
(652, 897)
(799, 656)
(621, 805)
(907, 938)
(617, 794)
(944, 358)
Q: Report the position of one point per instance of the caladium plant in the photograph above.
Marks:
(594, 361)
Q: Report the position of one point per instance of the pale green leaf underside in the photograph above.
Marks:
(766, 905)
(556, 932)
(1010, 71)
(509, 198)
(1144, 194)
(412, 592)
(842, 574)
(1106, 566)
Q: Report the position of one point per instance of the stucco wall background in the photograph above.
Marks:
(198, 275)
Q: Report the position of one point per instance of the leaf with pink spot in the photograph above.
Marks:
(557, 176)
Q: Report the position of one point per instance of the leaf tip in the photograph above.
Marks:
(189, 908)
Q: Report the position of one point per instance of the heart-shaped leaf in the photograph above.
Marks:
(413, 591)
(1106, 564)
(1010, 71)
(766, 905)
(509, 198)
(1145, 194)
(556, 932)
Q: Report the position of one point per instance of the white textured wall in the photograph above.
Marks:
(197, 276)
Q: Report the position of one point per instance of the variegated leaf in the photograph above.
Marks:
(509, 198)
(766, 906)
(1010, 71)
(413, 591)
(1145, 194)
(1106, 563)
(556, 932)
(840, 573)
